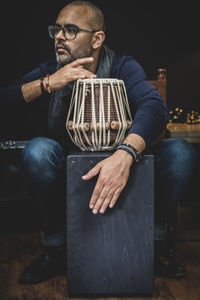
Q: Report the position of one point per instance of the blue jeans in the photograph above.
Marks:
(44, 167)
(175, 166)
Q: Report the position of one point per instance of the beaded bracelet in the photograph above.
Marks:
(42, 84)
(131, 150)
(47, 84)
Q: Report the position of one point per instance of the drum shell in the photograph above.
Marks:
(99, 115)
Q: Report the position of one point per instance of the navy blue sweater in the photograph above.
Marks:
(148, 108)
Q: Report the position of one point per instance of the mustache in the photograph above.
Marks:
(61, 43)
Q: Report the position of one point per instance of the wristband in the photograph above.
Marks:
(131, 150)
(42, 84)
(47, 84)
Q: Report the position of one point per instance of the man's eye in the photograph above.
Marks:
(57, 29)
(71, 29)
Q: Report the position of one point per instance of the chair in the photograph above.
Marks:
(161, 83)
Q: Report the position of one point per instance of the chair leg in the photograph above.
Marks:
(171, 241)
(165, 260)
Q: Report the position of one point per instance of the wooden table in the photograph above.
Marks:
(190, 132)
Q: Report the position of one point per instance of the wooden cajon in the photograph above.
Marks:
(110, 254)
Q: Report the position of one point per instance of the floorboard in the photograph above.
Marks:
(17, 250)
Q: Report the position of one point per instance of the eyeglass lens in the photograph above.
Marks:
(69, 31)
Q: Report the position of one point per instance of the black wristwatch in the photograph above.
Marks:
(131, 150)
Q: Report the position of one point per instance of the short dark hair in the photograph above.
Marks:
(97, 22)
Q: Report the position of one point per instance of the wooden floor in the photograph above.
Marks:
(17, 250)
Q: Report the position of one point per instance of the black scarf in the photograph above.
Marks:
(60, 100)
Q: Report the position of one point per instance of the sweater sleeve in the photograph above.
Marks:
(149, 111)
(12, 93)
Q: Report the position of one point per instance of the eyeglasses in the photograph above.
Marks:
(69, 31)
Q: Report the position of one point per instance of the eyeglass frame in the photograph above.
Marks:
(78, 30)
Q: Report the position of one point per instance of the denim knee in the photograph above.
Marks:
(41, 154)
(178, 155)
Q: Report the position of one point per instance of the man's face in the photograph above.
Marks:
(70, 50)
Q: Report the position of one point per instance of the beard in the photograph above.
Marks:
(71, 55)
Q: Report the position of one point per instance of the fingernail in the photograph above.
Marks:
(111, 205)
(94, 211)
(85, 176)
(101, 210)
(91, 206)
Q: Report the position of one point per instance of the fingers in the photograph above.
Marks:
(86, 75)
(110, 200)
(82, 73)
(98, 193)
(104, 195)
(103, 201)
(115, 197)
(82, 61)
(112, 179)
(93, 172)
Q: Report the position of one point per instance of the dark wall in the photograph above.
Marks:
(156, 33)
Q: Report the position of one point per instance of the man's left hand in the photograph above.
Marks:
(113, 175)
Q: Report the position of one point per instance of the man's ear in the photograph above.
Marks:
(98, 39)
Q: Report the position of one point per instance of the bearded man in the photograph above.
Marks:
(79, 34)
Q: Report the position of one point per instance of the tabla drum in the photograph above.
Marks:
(99, 114)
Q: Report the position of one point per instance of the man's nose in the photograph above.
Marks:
(60, 35)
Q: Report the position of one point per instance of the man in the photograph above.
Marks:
(79, 34)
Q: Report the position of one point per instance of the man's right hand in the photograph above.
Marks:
(59, 79)
(70, 72)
